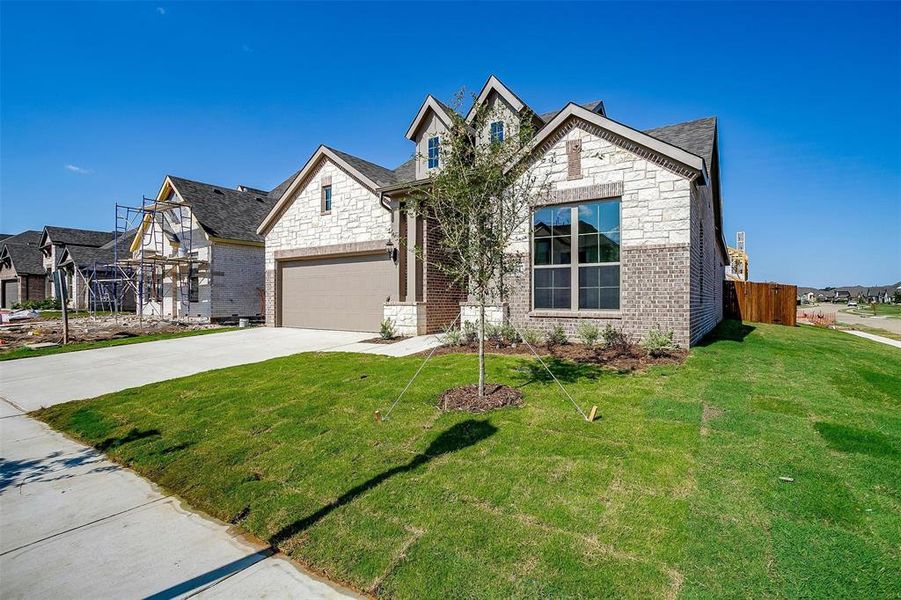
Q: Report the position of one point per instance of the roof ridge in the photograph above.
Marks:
(698, 120)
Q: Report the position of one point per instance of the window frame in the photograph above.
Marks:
(436, 148)
(327, 199)
(574, 263)
(497, 136)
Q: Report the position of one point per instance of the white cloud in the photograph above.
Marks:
(161, 10)
(79, 170)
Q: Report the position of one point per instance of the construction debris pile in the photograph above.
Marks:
(89, 329)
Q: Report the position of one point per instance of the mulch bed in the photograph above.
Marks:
(630, 358)
(467, 398)
(381, 340)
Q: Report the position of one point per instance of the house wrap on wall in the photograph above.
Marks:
(629, 233)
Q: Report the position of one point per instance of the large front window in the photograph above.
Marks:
(591, 271)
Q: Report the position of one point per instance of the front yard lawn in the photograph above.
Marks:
(674, 491)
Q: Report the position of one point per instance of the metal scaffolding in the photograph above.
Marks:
(141, 265)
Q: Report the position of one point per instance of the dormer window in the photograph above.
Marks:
(497, 131)
(434, 150)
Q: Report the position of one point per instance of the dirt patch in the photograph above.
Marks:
(467, 398)
(628, 358)
(88, 329)
(709, 413)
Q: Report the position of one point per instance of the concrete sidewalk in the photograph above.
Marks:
(875, 338)
(32, 383)
(75, 525)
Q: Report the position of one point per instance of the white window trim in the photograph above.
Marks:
(574, 264)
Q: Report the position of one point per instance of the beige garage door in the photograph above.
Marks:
(345, 293)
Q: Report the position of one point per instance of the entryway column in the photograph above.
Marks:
(411, 256)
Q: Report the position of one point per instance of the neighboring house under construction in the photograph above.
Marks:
(737, 269)
(197, 253)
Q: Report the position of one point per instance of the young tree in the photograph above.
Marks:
(480, 199)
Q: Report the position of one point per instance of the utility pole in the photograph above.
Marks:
(63, 294)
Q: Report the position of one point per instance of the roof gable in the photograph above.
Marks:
(430, 104)
(495, 85)
(369, 174)
(675, 158)
(26, 259)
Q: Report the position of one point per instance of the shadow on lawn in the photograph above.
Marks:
(729, 330)
(566, 371)
(133, 435)
(458, 437)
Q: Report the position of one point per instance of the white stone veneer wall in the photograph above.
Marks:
(495, 314)
(409, 318)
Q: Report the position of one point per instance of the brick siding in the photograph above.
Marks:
(442, 296)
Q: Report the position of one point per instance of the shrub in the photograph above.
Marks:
(45, 304)
(452, 337)
(509, 334)
(555, 336)
(658, 343)
(386, 330)
(588, 333)
(614, 338)
(470, 332)
(531, 336)
(493, 333)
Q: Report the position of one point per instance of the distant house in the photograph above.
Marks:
(841, 296)
(22, 274)
(85, 244)
(96, 281)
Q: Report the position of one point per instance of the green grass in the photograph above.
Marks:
(674, 491)
(882, 310)
(75, 347)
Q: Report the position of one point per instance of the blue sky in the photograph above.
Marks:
(99, 101)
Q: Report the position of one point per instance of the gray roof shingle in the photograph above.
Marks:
(377, 173)
(592, 106)
(78, 237)
(224, 212)
(696, 136)
(85, 257)
(29, 237)
(406, 172)
(26, 258)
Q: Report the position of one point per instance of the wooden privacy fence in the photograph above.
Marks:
(760, 302)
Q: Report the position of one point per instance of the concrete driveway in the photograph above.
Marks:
(75, 525)
(31, 383)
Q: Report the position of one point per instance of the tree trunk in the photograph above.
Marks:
(481, 347)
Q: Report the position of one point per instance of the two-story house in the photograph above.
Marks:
(628, 233)
(197, 254)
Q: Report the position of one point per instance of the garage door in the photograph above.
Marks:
(10, 293)
(346, 293)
